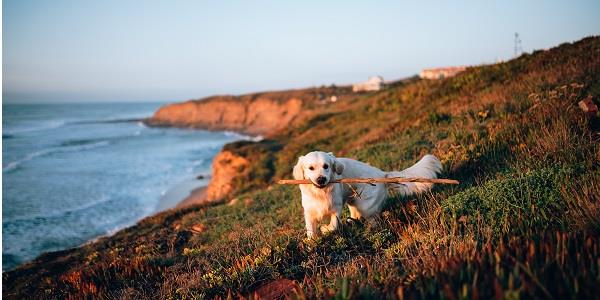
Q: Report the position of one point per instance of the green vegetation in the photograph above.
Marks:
(524, 222)
(261, 166)
(507, 205)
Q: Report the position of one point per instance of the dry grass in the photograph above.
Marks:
(524, 221)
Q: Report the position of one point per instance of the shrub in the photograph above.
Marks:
(517, 203)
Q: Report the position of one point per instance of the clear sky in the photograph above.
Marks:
(59, 51)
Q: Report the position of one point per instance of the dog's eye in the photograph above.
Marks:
(311, 168)
(325, 166)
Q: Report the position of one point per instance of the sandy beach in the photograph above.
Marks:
(196, 196)
(189, 192)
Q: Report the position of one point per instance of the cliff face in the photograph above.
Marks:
(256, 114)
(226, 166)
(259, 117)
(241, 165)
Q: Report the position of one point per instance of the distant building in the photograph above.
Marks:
(440, 73)
(374, 83)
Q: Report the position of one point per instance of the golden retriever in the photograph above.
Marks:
(322, 199)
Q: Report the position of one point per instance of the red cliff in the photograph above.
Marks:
(255, 114)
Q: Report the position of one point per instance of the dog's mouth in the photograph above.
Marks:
(320, 186)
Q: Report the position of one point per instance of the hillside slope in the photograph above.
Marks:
(524, 222)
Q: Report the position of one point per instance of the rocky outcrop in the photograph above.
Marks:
(259, 117)
(226, 167)
(241, 166)
(255, 114)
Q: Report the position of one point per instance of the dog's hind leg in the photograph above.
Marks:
(354, 213)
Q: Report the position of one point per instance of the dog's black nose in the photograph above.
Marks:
(321, 180)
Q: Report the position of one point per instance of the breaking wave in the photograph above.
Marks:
(78, 146)
(39, 126)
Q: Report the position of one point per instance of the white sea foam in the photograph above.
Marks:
(15, 164)
(86, 147)
(194, 164)
(141, 115)
(47, 125)
(198, 162)
(240, 136)
(60, 213)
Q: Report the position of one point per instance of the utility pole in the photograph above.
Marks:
(518, 47)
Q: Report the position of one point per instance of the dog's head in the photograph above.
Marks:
(318, 167)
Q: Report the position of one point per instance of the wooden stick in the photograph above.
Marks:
(372, 181)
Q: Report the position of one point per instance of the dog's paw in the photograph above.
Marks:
(310, 235)
(353, 222)
(326, 229)
(309, 243)
(309, 240)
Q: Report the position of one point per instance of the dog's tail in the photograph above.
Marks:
(428, 167)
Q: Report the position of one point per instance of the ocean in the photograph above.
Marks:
(74, 172)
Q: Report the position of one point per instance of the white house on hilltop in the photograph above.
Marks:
(441, 73)
(374, 83)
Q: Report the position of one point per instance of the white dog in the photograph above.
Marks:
(321, 199)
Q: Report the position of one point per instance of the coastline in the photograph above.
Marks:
(182, 189)
(182, 192)
(192, 191)
(196, 196)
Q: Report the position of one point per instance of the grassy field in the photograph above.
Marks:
(523, 223)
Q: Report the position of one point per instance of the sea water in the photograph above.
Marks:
(73, 172)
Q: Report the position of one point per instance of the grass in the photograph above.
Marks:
(523, 223)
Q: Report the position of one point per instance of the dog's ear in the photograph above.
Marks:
(298, 170)
(338, 167)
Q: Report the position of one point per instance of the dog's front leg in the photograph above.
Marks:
(334, 223)
(311, 224)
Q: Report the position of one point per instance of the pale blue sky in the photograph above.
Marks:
(59, 51)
